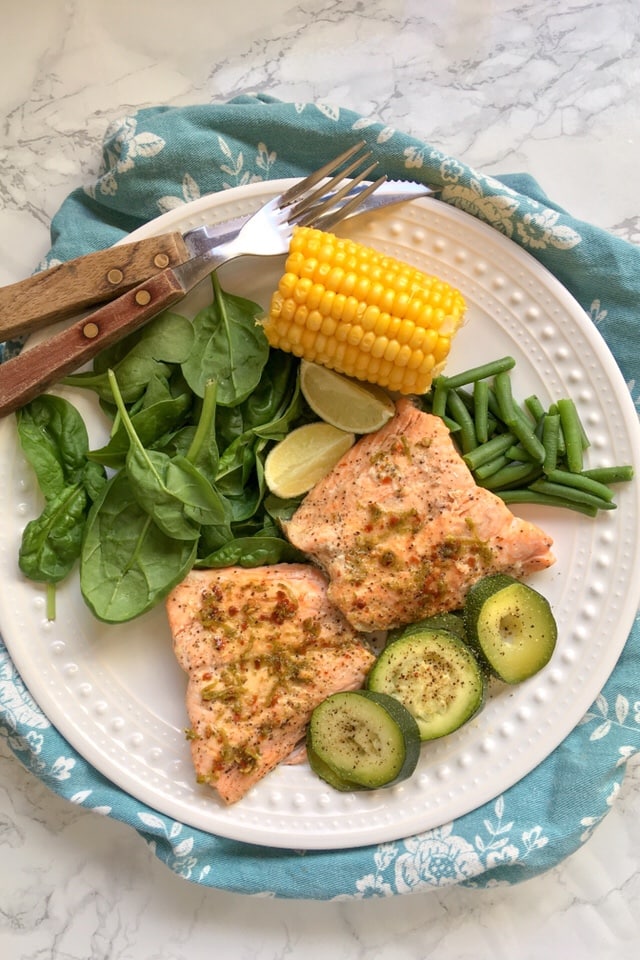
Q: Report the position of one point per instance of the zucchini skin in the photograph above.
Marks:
(345, 741)
(450, 621)
(511, 626)
(435, 675)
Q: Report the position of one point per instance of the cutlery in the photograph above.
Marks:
(319, 200)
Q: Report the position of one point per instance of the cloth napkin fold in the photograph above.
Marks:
(160, 158)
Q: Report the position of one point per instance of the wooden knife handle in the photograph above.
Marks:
(74, 286)
(37, 368)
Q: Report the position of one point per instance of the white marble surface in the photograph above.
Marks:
(551, 89)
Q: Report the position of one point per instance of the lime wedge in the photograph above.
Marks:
(345, 403)
(304, 457)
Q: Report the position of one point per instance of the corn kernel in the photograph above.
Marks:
(329, 326)
(314, 320)
(350, 310)
(370, 317)
(403, 356)
(301, 290)
(379, 347)
(342, 332)
(301, 314)
(337, 307)
(288, 310)
(392, 350)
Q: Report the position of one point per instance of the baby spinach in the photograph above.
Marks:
(54, 439)
(254, 551)
(172, 491)
(151, 423)
(166, 340)
(194, 408)
(128, 564)
(229, 346)
(51, 543)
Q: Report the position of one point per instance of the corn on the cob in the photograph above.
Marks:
(361, 313)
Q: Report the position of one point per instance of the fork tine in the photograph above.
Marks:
(326, 221)
(304, 212)
(328, 188)
(299, 188)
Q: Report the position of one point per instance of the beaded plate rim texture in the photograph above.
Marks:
(116, 693)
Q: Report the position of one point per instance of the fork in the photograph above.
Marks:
(316, 201)
(323, 198)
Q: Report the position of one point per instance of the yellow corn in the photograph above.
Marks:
(361, 313)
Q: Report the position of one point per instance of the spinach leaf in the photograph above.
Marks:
(54, 440)
(51, 543)
(164, 341)
(203, 451)
(128, 564)
(229, 346)
(151, 423)
(93, 479)
(264, 404)
(254, 551)
(279, 509)
(172, 491)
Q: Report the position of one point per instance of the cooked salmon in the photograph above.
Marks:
(261, 647)
(402, 530)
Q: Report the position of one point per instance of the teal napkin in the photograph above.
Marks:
(162, 157)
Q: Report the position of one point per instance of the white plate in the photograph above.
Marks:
(116, 693)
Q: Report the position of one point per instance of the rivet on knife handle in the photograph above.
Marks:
(39, 367)
(71, 287)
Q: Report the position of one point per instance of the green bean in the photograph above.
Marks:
(580, 482)
(620, 474)
(490, 467)
(550, 436)
(562, 448)
(481, 410)
(544, 500)
(514, 473)
(463, 418)
(504, 396)
(453, 426)
(489, 450)
(439, 402)
(515, 419)
(573, 433)
(565, 492)
(524, 453)
(494, 407)
(483, 372)
(534, 406)
(519, 452)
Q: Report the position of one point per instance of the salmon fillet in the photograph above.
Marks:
(402, 530)
(261, 647)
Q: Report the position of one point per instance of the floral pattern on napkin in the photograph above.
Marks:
(163, 157)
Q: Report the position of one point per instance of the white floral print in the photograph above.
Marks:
(124, 146)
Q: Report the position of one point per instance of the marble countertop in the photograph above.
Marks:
(507, 85)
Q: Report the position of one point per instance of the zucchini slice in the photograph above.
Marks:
(452, 622)
(361, 740)
(511, 625)
(435, 675)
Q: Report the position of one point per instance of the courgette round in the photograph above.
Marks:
(511, 625)
(362, 740)
(435, 675)
(450, 621)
